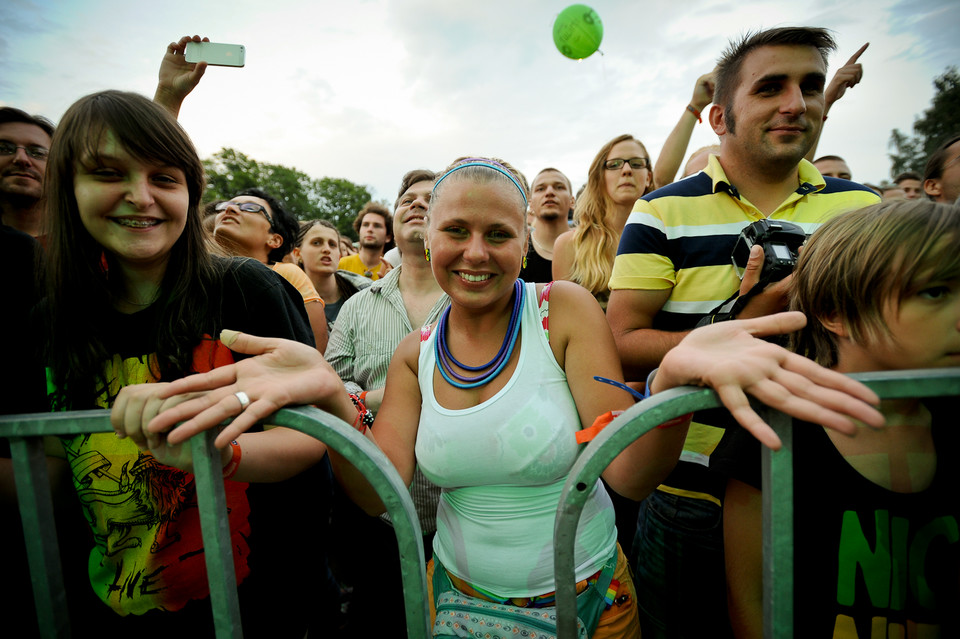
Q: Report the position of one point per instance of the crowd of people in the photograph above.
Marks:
(462, 336)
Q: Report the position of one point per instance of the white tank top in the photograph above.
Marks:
(501, 466)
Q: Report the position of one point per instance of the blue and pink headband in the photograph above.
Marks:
(490, 164)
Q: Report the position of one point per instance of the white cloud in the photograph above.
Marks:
(368, 90)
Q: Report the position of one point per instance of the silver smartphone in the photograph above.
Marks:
(216, 53)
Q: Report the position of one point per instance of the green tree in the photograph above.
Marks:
(339, 200)
(929, 130)
(333, 199)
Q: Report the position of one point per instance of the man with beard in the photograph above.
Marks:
(673, 270)
(368, 329)
(550, 201)
(373, 225)
(24, 141)
(24, 144)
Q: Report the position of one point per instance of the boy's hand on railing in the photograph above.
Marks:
(282, 373)
(729, 357)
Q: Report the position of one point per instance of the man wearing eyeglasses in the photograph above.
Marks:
(673, 269)
(24, 144)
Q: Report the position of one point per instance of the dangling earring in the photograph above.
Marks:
(426, 254)
(524, 263)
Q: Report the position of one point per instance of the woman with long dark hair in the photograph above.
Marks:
(134, 296)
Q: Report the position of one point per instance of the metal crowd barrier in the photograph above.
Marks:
(777, 485)
(26, 434)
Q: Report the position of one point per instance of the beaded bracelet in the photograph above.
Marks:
(364, 418)
(231, 468)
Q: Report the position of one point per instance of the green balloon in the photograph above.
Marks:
(577, 31)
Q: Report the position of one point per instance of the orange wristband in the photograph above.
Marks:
(231, 468)
(587, 434)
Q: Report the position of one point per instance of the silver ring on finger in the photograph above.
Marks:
(244, 400)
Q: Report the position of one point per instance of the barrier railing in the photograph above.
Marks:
(33, 490)
(26, 433)
(777, 485)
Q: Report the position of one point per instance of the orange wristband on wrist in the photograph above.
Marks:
(231, 468)
(587, 434)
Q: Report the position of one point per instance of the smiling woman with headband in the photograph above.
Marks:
(492, 402)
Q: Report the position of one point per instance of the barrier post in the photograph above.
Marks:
(33, 486)
(40, 535)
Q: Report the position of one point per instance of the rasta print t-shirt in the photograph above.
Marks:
(148, 551)
(148, 554)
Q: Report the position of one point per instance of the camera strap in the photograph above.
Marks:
(719, 315)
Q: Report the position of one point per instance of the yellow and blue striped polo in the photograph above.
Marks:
(681, 236)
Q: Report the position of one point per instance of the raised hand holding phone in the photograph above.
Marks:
(181, 69)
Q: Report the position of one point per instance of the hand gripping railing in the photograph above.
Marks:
(777, 485)
(36, 507)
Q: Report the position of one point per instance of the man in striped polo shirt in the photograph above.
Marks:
(674, 268)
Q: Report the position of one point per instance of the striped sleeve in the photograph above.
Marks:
(642, 260)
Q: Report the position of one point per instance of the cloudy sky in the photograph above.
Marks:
(368, 89)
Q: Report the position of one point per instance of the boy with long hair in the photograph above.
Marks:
(876, 536)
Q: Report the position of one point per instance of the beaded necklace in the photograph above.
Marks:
(446, 360)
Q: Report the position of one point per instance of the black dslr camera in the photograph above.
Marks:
(781, 242)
